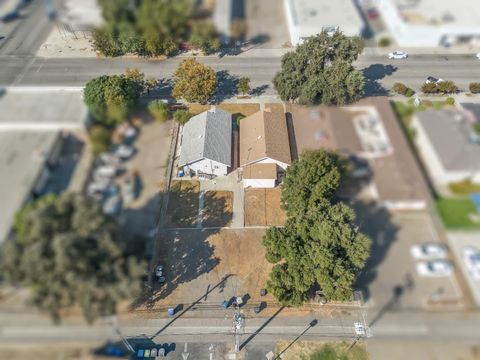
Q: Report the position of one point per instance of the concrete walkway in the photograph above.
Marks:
(229, 183)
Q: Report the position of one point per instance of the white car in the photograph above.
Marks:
(478, 56)
(433, 80)
(124, 152)
(471, 256)
(397, 55)
(435, 268)
(429, 251)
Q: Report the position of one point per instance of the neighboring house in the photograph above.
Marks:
(264, 140)
(367, 132)
(206, 143)
(448, 144)
(432, 22)
(306, 18)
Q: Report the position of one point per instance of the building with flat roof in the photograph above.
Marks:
(396, 181)
(31, 142)
(449, 145)
(206, 143)
(306, 18)
(431, 23)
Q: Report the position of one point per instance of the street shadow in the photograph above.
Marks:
(373, 74)
(181, 310)
(259, 90)
(263, 326)
(375, 222)
(227, 86)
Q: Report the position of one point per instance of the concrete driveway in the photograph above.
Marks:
(389, 279)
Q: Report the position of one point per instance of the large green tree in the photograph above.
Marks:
(110, 99)
(320, 70)
(194, 82)
(320, 243)
(67, 252)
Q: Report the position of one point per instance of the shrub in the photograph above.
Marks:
(205, 37)
(429, 88)
(400, 88)
(447, 87)
(409, 93)
(450, 100)
(474, 87)
(101, 139)
(106, 43)
(384, 42)
(159, 110)
(182, 116)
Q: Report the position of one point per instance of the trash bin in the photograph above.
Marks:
(225, 304)
(263, 292)
(171, 311)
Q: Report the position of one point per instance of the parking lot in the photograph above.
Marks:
(390, 276)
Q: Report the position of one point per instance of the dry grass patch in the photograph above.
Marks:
(183, 203)
(304, 350)
(263, 207)
(217, 208)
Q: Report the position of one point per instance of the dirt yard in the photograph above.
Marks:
(244, 109)
(183, 204)
(217, 208)
(196, 261)
(262, 207)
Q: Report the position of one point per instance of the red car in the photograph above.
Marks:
(372, 14)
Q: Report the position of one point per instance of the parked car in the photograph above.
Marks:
(471, 257)
(432, 80)
(159, 274)
(478, 56)
(396, 55)
(124, 152)
(109, 159)
(112, 205)
(10, 16)
(435, 268)
(105, 172)
(129, 193)
(97, 188)
(429, 251)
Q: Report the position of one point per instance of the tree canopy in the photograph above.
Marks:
(152, 27)
(320, 71)
(110, 99)
(67, 252)
(194, 82)
(320, 243)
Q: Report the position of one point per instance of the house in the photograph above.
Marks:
(367, 132)
(307, 18)
(206, 143)
(432, 23)
(264, 147)
(449, 145)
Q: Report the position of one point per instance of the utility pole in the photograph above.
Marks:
(238, 323)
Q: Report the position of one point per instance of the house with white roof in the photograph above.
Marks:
(206, 143)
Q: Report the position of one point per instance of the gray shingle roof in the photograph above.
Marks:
(451, 135)
(207, 136)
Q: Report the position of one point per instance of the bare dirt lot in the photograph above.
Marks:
(183, 204)
(196, 261)
(243, 109)
(262, 207)
(217, 208)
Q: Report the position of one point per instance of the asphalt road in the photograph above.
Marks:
(380, 72)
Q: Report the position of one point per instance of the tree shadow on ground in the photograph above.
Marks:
(229, 50)
(163, 88)
(257, 40)
(373, 74)
(227, 86)
(375, 222)
(184, 253)
(259, 90)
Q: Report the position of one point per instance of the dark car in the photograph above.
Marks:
(372, 14)
(10, 16)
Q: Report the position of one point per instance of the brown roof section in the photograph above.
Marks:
(397, 176)
(260, 171)
(264, 134)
